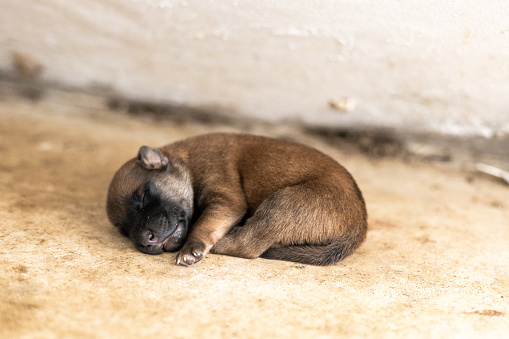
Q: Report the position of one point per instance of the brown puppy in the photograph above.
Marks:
(239, 195)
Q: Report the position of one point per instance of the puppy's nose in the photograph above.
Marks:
(148, 238)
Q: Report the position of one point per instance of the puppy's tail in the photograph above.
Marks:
(320, 255)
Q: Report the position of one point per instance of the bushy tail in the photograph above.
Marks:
(320, 255)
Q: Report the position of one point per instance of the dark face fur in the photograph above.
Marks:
(150, 201)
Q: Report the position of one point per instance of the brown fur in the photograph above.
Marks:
(241, 195)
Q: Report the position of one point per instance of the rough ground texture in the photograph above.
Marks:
(435, 263)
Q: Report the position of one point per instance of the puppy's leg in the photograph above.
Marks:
(276, 219)
(216, 221)
(248, 241)
(310, 218)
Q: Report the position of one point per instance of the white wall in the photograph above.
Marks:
(420, 65)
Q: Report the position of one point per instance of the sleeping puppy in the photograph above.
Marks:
(239, 195)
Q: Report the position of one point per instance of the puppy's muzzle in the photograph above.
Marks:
(166, 238)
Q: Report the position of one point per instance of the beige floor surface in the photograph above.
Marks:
(435, 263)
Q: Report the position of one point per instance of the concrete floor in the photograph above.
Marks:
(435, 263)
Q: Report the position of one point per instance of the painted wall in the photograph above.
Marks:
(418, 65)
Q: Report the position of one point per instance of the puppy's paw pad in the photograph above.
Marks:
(190, 254)
(185, 260)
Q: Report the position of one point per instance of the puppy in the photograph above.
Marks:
(239, 195)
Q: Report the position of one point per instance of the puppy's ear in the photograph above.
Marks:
(152, 158)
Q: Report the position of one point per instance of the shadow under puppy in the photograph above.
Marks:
(240, 195)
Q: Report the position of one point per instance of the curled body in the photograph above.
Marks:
(239, 195)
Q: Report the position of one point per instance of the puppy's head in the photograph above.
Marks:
(150, 200)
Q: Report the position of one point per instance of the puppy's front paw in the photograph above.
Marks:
(190, 254)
